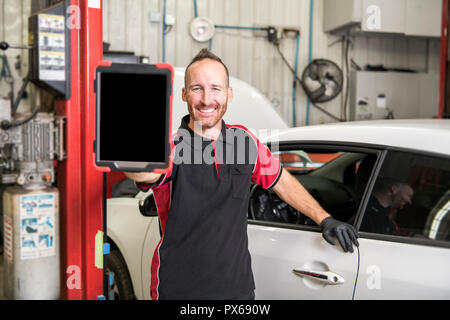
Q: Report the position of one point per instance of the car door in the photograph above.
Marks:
(410, 258)
(290, 258)
(277, 252)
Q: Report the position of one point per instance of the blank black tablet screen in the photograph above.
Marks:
(133, 117)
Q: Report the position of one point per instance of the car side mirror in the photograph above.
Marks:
(147, 207)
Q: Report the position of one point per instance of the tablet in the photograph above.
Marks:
(133, 117)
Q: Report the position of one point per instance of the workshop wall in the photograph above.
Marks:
(253, 59)
(127, 27)
(14, 30)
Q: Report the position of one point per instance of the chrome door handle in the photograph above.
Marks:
(326, 277)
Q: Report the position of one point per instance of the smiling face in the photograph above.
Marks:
(207, 95)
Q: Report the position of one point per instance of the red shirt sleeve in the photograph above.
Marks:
(267, 169)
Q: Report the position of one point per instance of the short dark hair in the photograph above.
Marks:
(384, 184)
(206, 54)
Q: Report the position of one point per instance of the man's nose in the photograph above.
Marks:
(206, 97)
(407, 200)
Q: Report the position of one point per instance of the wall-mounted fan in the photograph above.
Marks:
(322, 80)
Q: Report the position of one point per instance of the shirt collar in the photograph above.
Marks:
(205, 141)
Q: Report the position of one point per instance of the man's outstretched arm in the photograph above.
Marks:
(292, 192)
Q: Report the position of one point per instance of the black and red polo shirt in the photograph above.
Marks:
(202, 205)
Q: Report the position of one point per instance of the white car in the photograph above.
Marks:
(291, 260)
(341, 165)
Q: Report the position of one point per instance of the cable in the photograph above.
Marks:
(7, 75)
(164, 32)
(20, 94)
(277, 45)
(5, 125)
(310, 48)
(168, 29)
(105, 235)
(195, 9)
(341, 39)
(294, 87)
(3, 19)
(218, 26)
(347, 71)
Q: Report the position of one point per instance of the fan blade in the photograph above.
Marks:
(316, 94)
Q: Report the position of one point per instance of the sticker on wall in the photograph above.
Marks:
(52, 56)
(8, 238)
(37, 226)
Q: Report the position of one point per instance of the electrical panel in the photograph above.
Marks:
(399, 95)
(49, 38)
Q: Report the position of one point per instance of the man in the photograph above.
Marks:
(388, 198)
(202, 202)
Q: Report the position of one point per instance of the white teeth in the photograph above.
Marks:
(207, 111)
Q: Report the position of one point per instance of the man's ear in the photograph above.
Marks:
(230, 94)
(394, 189)
(183, 95)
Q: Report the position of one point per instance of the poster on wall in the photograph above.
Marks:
(52, 57)
(37, 226)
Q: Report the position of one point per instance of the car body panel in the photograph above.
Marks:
(394, 270)
(426, 135)
(127, 228)
(276, 252)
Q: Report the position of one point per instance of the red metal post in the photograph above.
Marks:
(443, 64)
(69, 181)
(91, 43)
(79, 183)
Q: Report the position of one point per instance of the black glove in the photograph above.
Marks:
(345, 233)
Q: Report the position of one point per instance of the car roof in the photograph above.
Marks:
(429, 135)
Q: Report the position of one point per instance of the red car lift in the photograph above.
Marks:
(80, 184)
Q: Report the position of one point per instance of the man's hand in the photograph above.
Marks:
(292, 192)
(344, 232)
(143, 177)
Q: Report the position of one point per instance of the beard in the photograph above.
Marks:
(207, 120)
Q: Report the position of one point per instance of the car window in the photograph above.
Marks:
(410, 198)
(303, 162)
(331, 176)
